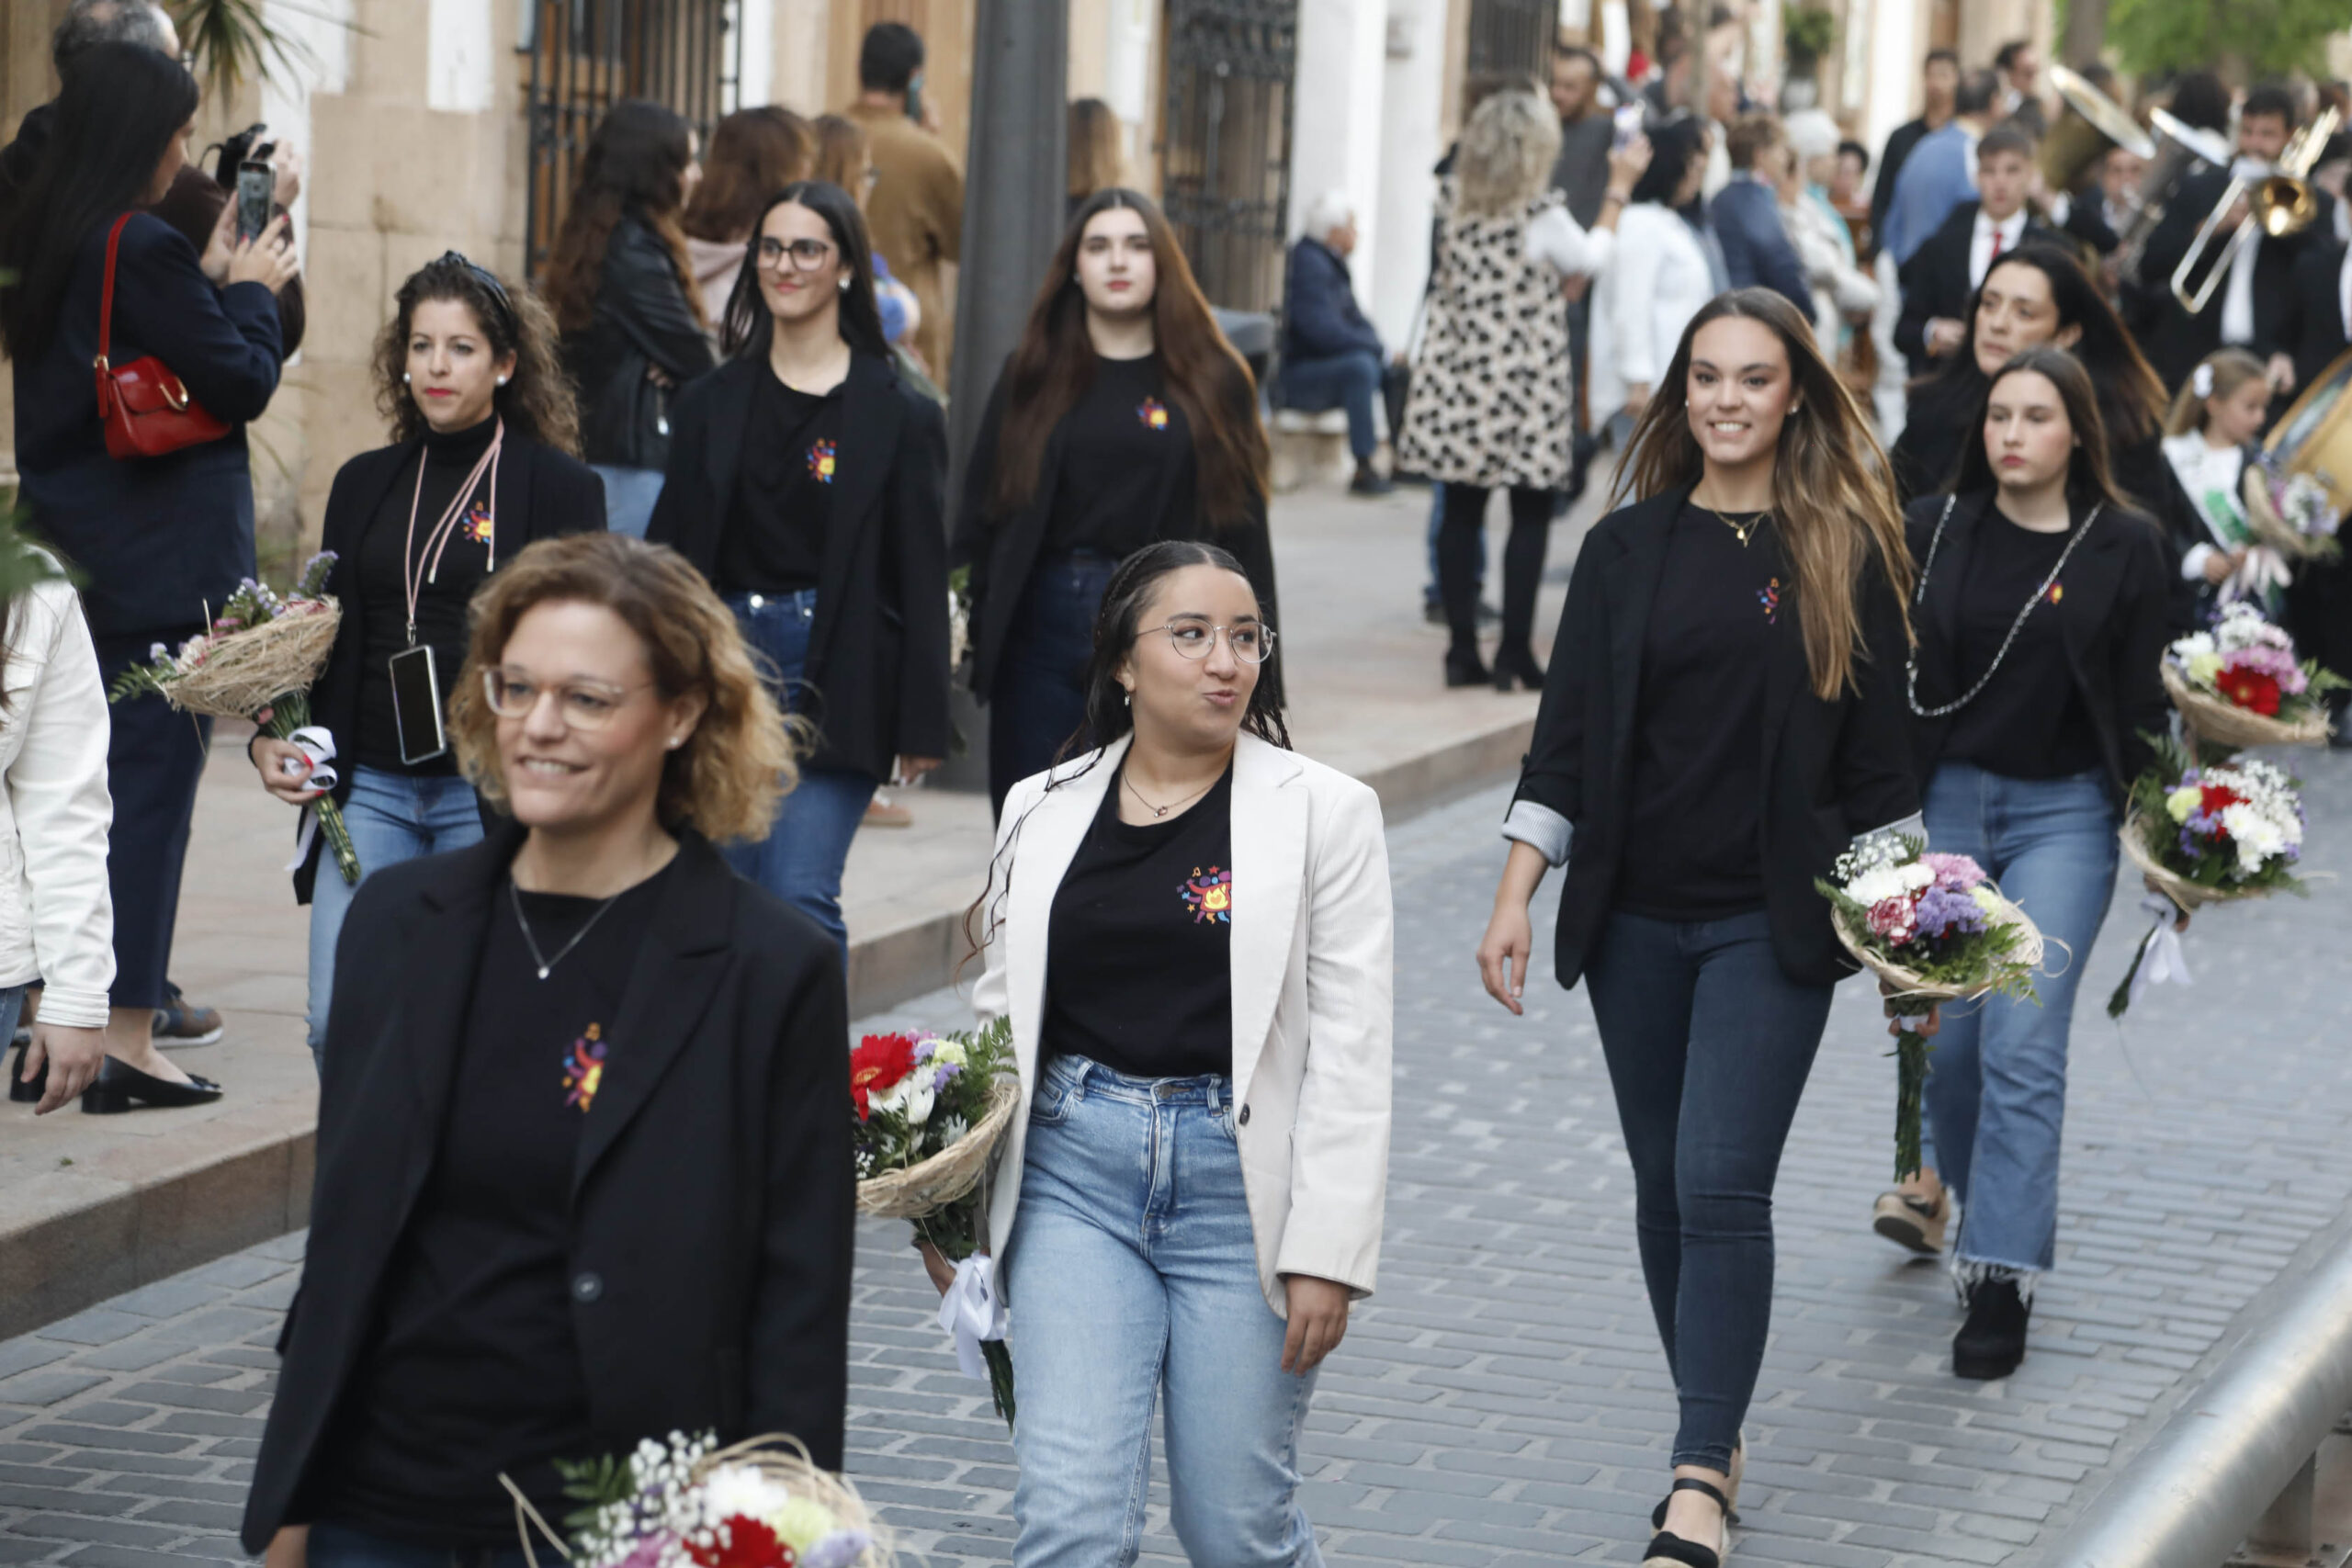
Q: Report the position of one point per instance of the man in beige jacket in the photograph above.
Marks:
(916, 209)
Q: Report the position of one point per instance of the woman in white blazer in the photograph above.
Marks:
(1189, 930)
(56, 917)
(1659, 279)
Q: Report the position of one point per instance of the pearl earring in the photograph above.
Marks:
(676, 741)
(404, 377)
(501, 381)
(1128, 698)
(845, 286)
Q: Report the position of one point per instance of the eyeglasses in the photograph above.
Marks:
(585, 705)
(807, 255)
(1195, 637)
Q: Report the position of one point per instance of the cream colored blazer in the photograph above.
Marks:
(1313, 1015)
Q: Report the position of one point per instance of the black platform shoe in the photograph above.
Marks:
(1668, 1549)
(24, 1090)
(1517, 664)
(1470, 671)
(121, 1088)
(1992, 1342)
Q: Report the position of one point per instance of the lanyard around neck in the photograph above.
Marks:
(416, 571)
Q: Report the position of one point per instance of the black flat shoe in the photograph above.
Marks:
(1992, 1342)
(1668, 1549)
(23, 1091)
(122, 1087)
(1517, 664)
(1467, 672)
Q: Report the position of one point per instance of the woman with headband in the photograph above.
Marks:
(483, 461)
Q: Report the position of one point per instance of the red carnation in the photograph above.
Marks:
(2215, 797)
(2251, 689)
(878, 1064)
(744, 1542)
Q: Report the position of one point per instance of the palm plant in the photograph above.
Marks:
(229, 41)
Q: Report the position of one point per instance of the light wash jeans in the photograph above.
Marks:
(629, 495)
(1996, 1079)
(392, 818)
(800, 860)
(1132, 1273)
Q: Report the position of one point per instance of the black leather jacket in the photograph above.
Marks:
(642, 319)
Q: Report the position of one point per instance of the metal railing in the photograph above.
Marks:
(2235, 1462)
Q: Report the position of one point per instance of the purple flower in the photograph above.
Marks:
(1955, 872)
(1944, 911)
(839, 1550)
(945, 1075)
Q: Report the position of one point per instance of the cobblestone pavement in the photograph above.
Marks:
(1502, 1400)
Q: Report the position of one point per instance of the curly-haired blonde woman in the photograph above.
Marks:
(583, 1177)
(481, 464)
(1491, 400)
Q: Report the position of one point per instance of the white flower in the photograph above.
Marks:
(911, 1097)
(1881, 883)
(733, 1489)
(2256, 836)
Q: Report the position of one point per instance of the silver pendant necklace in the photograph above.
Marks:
(1919, 599)
(515, 896)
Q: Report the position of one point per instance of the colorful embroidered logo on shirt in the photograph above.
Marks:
(820, 462)
(1209, 895)
(1152, 413)
(2057, 591)
(583, 1068)
(1770, 597)
(479, 524)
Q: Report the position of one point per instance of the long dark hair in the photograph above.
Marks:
(2090, 477)
(121, 105)
(750, 324)
(1672, 146)
(536, 403)
(2131, 398)
(636, 165)
(1833, 498)
(1054, 363)
(753, 153)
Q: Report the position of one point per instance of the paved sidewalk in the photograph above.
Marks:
(1501, 1401)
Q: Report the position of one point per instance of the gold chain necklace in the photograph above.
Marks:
(1743, 531)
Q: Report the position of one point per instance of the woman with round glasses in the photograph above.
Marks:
(584, 1178)
(485, 461)
(807, 482)
(1193, 1197)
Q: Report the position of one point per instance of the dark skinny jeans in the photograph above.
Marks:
(1459, 541)
(1709, 1045)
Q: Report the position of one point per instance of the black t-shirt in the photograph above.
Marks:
(1138, 952)
(1694, 840)
(775, 537)
(386, 552)
(2028, 722)
(1115, 444)
(471, 1367)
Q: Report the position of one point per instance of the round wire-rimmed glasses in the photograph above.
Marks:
(585, 705)
(1194, 636)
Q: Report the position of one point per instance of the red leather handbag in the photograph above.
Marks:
(145, 409)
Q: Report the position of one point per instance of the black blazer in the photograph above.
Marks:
(877, 651)
(2117, 617)
(2173, 339)
(712, 1212)
(1002, 551)
(1935, 281)
(2312, 329)
(642, 319)
(1832, 770)
(542, 494)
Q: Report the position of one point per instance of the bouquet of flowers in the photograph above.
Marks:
(1935, 928)
(930, 1109)
(2240, 684)
(692, 1504)
(261, 651)
(2204, 834)
(2292, 513)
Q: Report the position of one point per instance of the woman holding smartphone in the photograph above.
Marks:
(1725, 719)
(482, 465)
(1121, 418)
(2043, 612)
(1189, 930)
(808, 482)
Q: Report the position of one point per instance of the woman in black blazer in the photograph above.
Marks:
(807, 481)
(584, 1165)
(2044, 609)
(480, 466)
(1724, 717)
(155, 540)
(1123, 417)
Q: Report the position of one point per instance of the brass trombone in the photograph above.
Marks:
(2279, 204)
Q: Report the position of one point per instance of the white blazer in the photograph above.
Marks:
(56, 915)
(1312, 975)
(1656, 281)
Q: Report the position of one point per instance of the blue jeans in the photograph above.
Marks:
(629, 495)
(346, 1546)
(1437, 525)
(1348, 381)
(1038, 700)
(1996, 1082)
(1709, 1045)
(800, 861)
(1132, 1272)
(392, 818)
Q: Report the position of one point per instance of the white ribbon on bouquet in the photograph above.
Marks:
(317, 747)
(2164, 962)
(972, 1311)
(2263, 570)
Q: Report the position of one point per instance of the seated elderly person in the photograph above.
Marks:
(1331, 355)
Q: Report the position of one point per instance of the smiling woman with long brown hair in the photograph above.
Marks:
(1121, 418)
(1724, 717)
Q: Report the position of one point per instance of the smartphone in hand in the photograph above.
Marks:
(1629, 125)
(256, 186)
